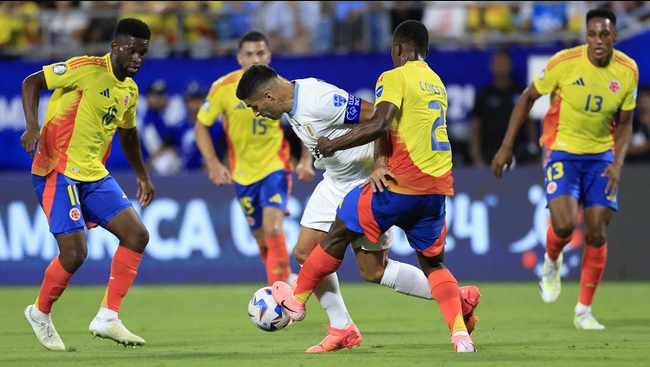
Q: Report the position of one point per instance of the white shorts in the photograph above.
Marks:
(320, 213)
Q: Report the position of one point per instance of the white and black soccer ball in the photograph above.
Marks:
(265, 313)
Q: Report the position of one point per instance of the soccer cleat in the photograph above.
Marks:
(283, 295)
(469, 299)
(550, 285)
(45, 331)
(463, 343)
(337, 339)
(586, 321)
(113, 329)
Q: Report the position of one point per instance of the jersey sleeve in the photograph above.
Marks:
(629, 103)
(212, 107)
(336, 105)
(129, 121)
(390, 88)
(62, 75)
(547, 80)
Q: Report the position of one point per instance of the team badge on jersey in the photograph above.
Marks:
(614, 86)
(379, 91)
(551, 187)
(310, 130)
(339, 100)
(74, 214)
(127, 99)
(59, 69)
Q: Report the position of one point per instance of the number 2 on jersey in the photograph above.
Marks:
(439, 122)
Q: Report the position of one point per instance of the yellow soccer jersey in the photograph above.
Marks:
(256, 145)
(585, 99)
(420, 154)
(86, 108)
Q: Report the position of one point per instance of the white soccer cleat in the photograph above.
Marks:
(586, 321)
(463, 343)
(550, 285)
(45, 331)
(114, 329)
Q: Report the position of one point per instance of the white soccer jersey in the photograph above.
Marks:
(321, 109)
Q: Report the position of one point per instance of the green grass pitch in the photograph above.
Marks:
(207, 325)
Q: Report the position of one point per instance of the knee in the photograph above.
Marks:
(564, 230)
(372, 275)
(72, 259)
(272, 229)
(138, 239)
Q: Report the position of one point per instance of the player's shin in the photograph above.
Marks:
(406, 279)
(277, 259)
(124, 268)
(54, 283)
(555, 244)
(444, 289)
(593, 266)
(317, 266)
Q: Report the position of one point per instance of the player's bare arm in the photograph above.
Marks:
(217, 172)
(305, 167)
(130, 142)
(503, 159)
(621, 145)
(31, 89)
(366, 132)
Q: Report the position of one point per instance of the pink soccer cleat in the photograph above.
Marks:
(463, 343)
(283, 295)
(337, 339)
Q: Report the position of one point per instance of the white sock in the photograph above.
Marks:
(105, 313)
(582, 309)
(406, 279)
(39, 315)
(330, 298)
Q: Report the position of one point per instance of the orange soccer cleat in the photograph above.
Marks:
(283, 295)
(469, 299)
(337, 339)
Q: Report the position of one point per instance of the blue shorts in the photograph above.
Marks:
(579, 176)
(272, 190)
(422, 217)
(70, 204)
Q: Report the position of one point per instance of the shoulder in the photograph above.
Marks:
(228, 80)
(95, 63)
(627, 62)
(566, 56)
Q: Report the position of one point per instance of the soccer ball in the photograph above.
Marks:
(265, 313)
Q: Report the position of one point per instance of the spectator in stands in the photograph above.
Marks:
(445, 20)
(63, 28)
(490, 20)
(155, 132)
(639, 150)
(234, 20)
(199, 36)
(103, 18)
(290, 25)
(20, 28)
(492, 108)
(162, 19)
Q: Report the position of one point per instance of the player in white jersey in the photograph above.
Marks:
(315, 108)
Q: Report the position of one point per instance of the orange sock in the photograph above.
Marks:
(593, 266)
(277, 259)
(54, 283)
(124, 268)
(317, 266)
(444, 289)
(555, 244)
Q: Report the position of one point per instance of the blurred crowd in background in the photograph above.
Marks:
(51, 29)
(205, 29)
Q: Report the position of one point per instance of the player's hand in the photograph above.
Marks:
(378, 179)
(220, 175)
(613, 172)
(29, 141)
(502, 161)
(305, 171)
(323, 147)
(146, 191)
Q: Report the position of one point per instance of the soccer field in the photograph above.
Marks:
(208, 325)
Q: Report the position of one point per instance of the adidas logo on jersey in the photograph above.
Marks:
(579, 82)
(241, 106)
(105, 93)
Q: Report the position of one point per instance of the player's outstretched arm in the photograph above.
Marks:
(503, 159)
(31, 95)
(362, 134)
(130, 142)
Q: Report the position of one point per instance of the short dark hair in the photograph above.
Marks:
(253, 37)
(414, 32)
(602, 13)
(253, 79)
(132, 27)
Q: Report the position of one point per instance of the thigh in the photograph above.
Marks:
(594, 185)
(425, 225)
(101, 201)
(272, 191)
(320, 210)
(59, 198)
